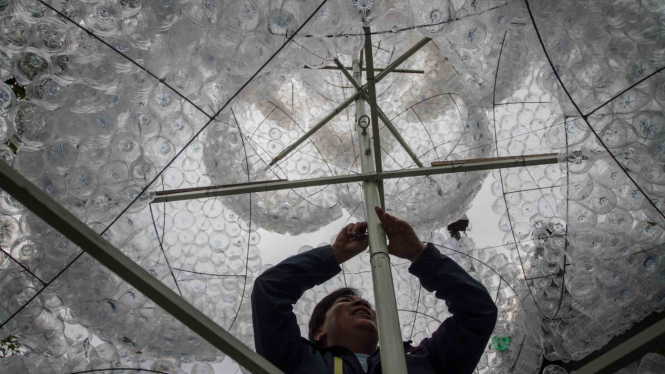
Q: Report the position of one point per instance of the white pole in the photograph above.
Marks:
(393, 360)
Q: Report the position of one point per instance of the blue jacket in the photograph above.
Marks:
(454, 348)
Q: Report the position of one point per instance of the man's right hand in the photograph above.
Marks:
(402, 239)
(347, 244)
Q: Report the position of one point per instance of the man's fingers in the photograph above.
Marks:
(380, 213)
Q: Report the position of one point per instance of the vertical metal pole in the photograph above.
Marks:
(393, 359)
(371, 98)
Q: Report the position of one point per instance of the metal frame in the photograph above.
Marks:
(444, 167)
(389, 125)
(371, 178)
(627, 352)
(403, 71)
(80, 234)
(350, 100)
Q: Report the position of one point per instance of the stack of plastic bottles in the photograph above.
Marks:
(106, 102)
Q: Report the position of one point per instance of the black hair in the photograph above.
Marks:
(320, 310)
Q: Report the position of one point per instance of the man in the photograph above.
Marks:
(343, 333)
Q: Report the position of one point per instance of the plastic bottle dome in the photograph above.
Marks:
(106, 103)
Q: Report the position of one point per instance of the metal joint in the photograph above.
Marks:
(364, 122)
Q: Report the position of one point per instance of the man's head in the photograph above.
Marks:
(344, 318)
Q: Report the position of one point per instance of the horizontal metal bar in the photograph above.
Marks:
(403, 71)
(447, 167)
(68, 225)
(193, 189)
(476, 160)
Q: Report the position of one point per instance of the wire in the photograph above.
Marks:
(598, 138)
(144, 189)
(244, 286)
(92, 34)
(22, 266)
(161, 246)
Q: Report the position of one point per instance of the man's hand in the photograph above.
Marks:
(350, 242)
(402, 240)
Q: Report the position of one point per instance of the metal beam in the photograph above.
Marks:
(348, 101)
(627, 352)
(403, 71)
(389, 125)
(67, 224)
(393, 360)
(446, 167)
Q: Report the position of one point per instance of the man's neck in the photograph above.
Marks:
(354, 347)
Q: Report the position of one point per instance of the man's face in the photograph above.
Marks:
(350, 317)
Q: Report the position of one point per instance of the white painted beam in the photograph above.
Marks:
(80, 234)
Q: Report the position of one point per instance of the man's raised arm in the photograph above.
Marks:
(456, 346)
(276, 331)
(460, 341)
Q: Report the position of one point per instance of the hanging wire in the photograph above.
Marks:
(93, 35)
(503, 188)
(244, 286)
(565, 249)
(161, 241)
(519, 352)
(25, 268)
(598, 138)
(161, 246)
(144, 189)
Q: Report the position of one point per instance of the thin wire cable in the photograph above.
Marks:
(503, 188)
(144, 189)
(498, 289)
(22, 266)
(249, 232)
(415, 315)
(565, 250)
(598, 138)
(161, 246)
(416, 27)
(623, 92)
(421, 313)
(92, 34)
(518, 355)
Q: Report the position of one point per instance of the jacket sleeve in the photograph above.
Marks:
(276, 331)
(457, 345)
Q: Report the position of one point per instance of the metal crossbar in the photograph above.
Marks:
(402, 71)
(443, 167)
(349, 101)
(389, 125)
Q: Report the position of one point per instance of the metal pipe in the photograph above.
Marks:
(402, 58)
(403, 71)
(389, 125)
(348, 101)
(80, 234)
(393, 359)
(445, 167)
(371, 96)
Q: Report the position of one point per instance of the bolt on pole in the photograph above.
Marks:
(393, 359)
